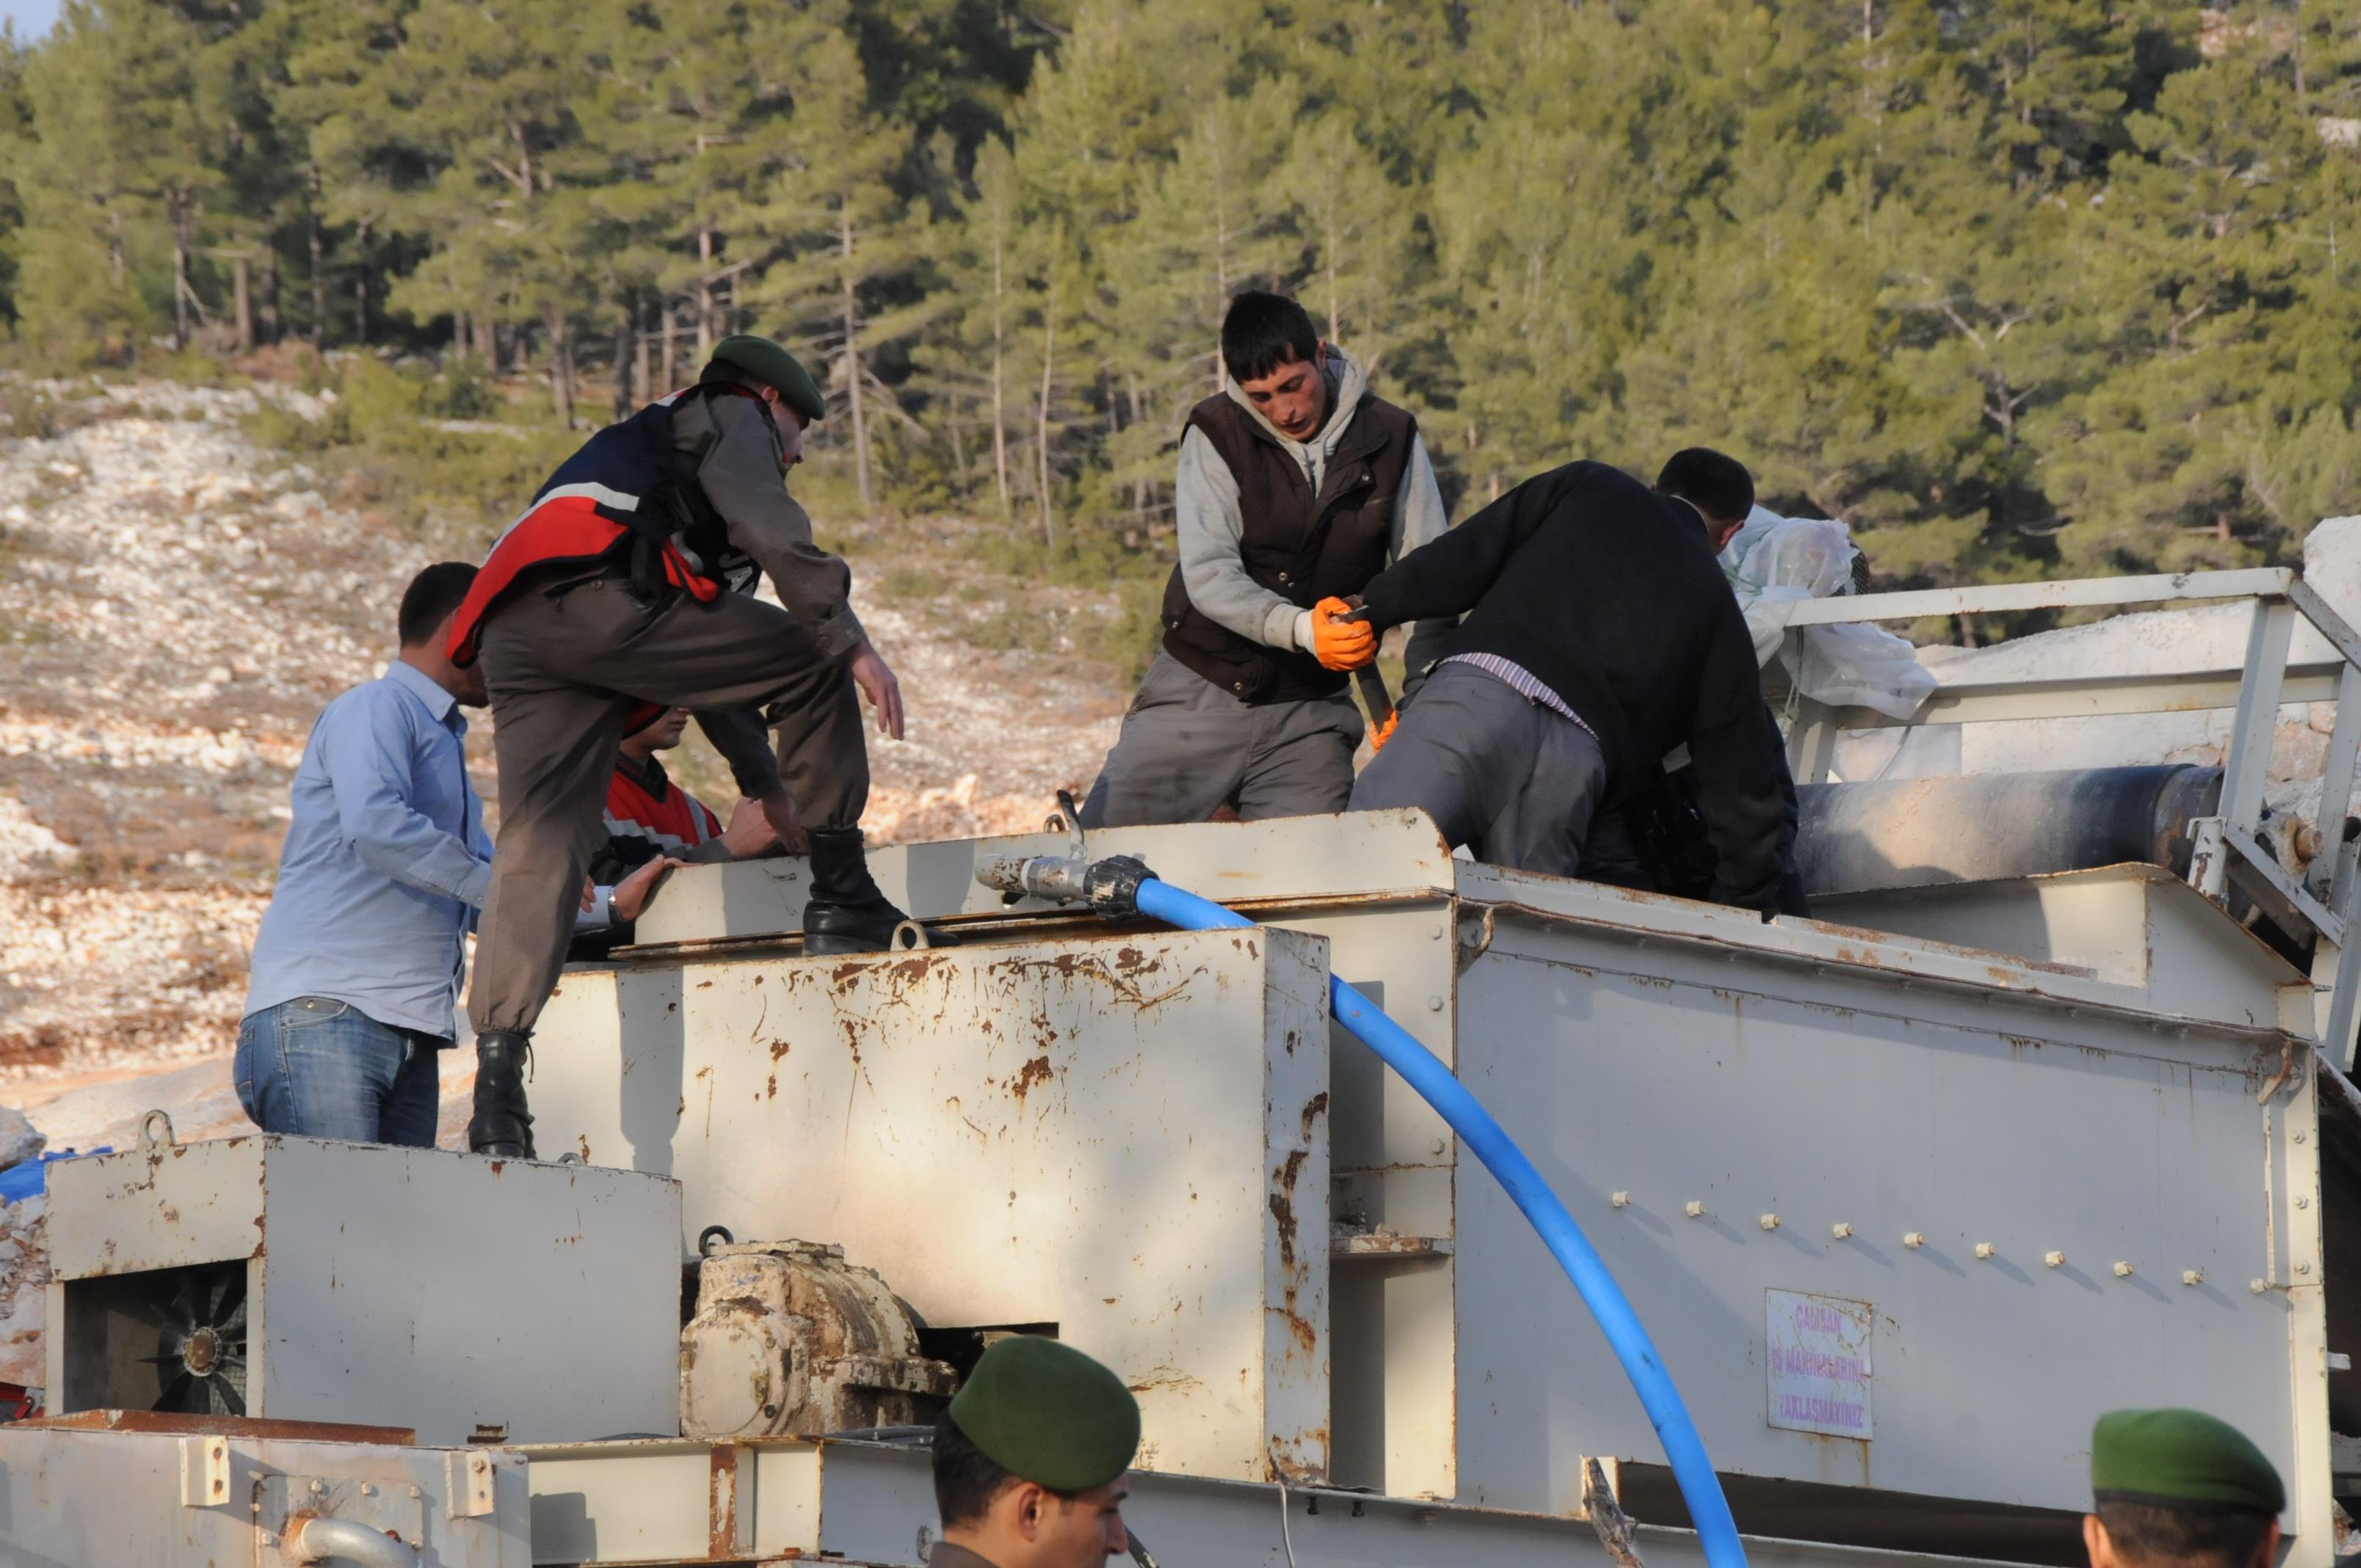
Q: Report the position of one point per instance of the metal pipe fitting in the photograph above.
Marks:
(325, 1540)
(1109, 886)
(1058, 878)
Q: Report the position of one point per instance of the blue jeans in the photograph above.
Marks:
(322, 1069)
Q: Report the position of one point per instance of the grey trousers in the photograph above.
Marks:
(1514, 782)
(1189, 748)
(563, 674)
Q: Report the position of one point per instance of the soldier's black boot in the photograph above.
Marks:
(846, 913)
(501, 1126)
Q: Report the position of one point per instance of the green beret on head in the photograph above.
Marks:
(2181, 1459)
(1048, 1414)
(774, 367)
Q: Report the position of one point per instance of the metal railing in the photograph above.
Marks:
(2229, 846)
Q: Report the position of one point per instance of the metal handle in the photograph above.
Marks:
(318, 1540)
(150, 1140)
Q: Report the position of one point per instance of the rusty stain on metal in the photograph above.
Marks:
(1306, 1337)
(1029, 1077)
(723, 1542)
(1166, 1380)
(254, 1427)
(1287, 1464)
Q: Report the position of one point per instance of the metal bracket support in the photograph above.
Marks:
(205, 1472)
(470, 1478)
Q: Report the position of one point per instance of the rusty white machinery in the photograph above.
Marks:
(1905, 1196)
(789, 1339)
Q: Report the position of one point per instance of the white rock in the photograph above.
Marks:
(18, 1140)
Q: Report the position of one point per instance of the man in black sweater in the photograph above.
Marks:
(1598, 636)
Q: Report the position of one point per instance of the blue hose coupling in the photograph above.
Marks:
(1112, 885)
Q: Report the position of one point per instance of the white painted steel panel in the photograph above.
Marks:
(1685, 1072)
(865, 1503)
(1298, 859)
(397, 1286)
(79, 1499)
(1375, 885)
(2136, 926)
(1892, 1053)
(1127, 1136)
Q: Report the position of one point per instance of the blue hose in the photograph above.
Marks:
(1700, 1488)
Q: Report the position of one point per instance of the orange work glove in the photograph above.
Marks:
(1340, 644)
(1384, 732)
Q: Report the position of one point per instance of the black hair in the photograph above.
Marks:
(1263, 331)
(430, 598)
(2214, 1537)
(967, 1479)
(1715, 485)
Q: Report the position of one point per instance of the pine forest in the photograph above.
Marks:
(2015, 288)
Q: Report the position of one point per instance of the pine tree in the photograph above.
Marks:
(94, 278)
(837, 205)
(2197, 255)
(15, 146)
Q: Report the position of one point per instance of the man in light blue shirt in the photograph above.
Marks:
(361, 953)
(363, 950)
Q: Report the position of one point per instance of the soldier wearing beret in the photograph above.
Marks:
(2180, 1489)
(1029, 1461)
(628, 586)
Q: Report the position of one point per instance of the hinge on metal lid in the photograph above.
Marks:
(205, 1472)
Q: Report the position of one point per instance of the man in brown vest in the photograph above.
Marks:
(1295, 487)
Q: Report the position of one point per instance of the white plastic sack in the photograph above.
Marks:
(1862, 666)
(1774, 561)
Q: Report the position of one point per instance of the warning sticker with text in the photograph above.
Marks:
(1819, 1362)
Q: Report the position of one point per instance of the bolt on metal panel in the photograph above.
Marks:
(1125, 1137)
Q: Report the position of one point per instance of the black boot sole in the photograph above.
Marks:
(497, 1142)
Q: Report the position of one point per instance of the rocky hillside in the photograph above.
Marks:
(177, 602)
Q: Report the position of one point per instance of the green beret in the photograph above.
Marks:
(2181, 1459)
(774, 367)
(1048, 1414)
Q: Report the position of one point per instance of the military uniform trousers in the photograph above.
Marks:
(563, 672)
